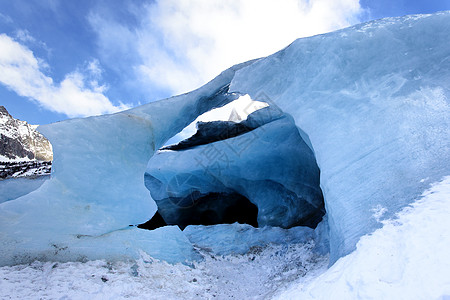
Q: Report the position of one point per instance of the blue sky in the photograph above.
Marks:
(61, 59)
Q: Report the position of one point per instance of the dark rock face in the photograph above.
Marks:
(24, 152)
(12, 148)
(3, 111)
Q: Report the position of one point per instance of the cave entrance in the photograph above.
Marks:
(209, 209)
(262, 154)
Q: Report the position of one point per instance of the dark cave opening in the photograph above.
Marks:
(208, 209)
(155, 222)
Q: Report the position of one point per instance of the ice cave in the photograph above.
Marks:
(365, 105)
(215, 176)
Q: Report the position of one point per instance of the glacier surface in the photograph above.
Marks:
(372, 98)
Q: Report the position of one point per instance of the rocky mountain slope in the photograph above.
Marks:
(22, 148)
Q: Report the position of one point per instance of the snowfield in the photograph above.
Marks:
(408, 258)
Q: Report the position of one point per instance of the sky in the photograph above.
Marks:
(62, 59)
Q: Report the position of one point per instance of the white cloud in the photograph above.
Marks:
(181, 44)
(24, 36)
(94, 68)
(75, 96)
(5, 19)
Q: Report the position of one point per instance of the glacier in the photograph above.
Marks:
(394, 262)
(372, 98)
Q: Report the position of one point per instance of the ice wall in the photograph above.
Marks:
(97, 187)
(374, 100)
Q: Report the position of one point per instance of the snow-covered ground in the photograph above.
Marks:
(406, 259)
(256, 275)
(409, 258)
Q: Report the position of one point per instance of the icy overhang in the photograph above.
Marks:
(97, 188)
(263, 159)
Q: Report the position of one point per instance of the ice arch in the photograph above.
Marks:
(97, 186)
(373, 99)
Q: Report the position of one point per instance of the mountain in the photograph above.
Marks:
(23, 150)
(20, 141)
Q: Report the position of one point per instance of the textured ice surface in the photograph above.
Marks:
(97, 186)
(271, 166)
(374, 100)
(225, 239)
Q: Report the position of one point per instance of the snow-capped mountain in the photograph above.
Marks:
(20, 141)
(24, 152)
